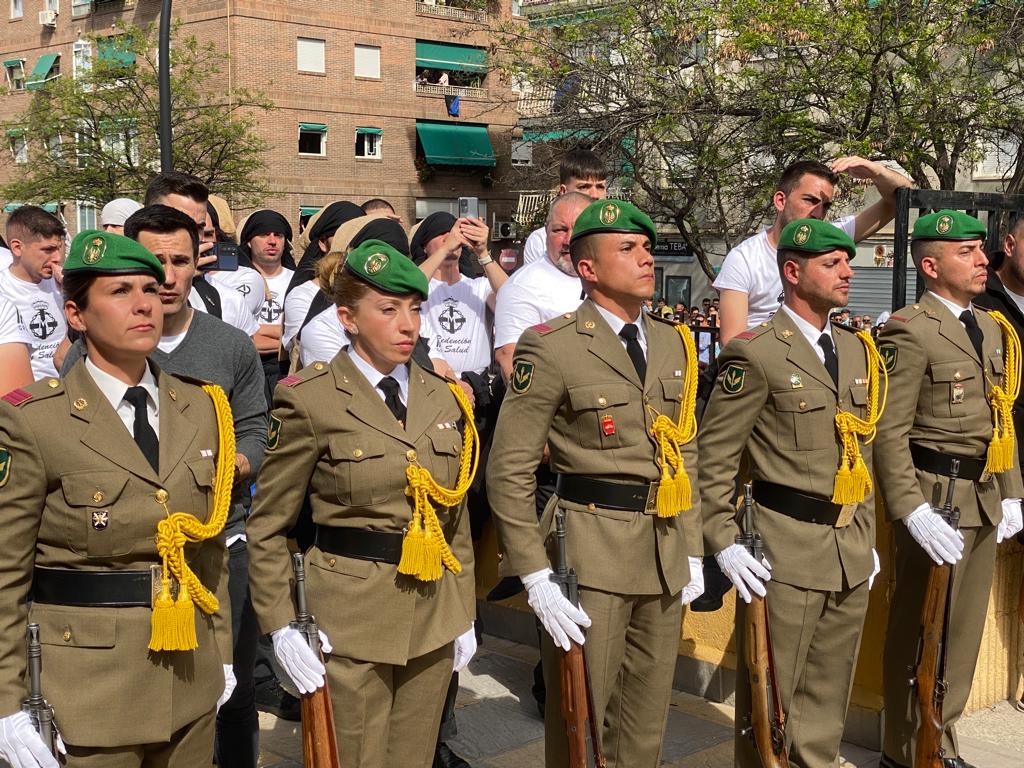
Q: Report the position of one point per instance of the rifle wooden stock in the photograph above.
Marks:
(767, 720)
(931, 688)
(319, 743)
(578, 708)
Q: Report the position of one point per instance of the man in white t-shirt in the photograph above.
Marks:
(245, 281)
(264, 238)
(749, 284)
(580, 171)
(543, 289)
(15, 344)
(37, 248)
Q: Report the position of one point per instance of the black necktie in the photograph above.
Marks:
(142, 430)
(634, 350)
(394, 403)
(973, 331)
(831, 361)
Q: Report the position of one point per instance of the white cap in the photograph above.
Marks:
(116, 212)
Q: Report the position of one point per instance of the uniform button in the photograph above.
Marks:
(647, 398)
(172, 394)
(161, 496)
(802, 405)
(331, 562)
(80, 404)
(956, 376)
(318, 366)
(97, 497)
(358, 452)
(410, 455)
(53, 383)
(592, 507)
(602, 401)
(67, 634)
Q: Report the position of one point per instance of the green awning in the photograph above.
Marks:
(112, 50)
(464, 58)
(48, 207)
(41, 71)
(13, 62)
(539, 135)
(370, 131)
(318, 127)
(309, 210)
(455, 144)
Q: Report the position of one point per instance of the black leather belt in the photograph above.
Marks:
(927, 460)
(362, 544)
(629, 497)
(802, 506)
(107, 589)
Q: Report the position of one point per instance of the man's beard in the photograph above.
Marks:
(564, 264)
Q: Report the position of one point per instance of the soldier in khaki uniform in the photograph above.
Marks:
(951, 366)
(384, 450)
(101, 473)
(800, 396)
(611, 390)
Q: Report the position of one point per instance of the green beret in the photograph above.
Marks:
(106, 253)
(948, 225)
(385, 268)
(814, 237)
(613, 216)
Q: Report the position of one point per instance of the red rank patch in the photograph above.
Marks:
(607, 425)
(540, 328)
(17, 396)
(290, 381)
(746, 335)
(898, 317)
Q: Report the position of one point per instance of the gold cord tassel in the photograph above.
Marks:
(424, 549)
(999, 457)
(853, 481)
(675, 493)
(173, 623)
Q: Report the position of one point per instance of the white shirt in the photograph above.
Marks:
(114, 390)
(399, 373)
(752, 268)
(616, 323)
(232, 309)
(533, 294)
(272, 309)
(41, 308)
(6, 257)
(246, 281)
(956, 309)
(457, 316)
(296, 305)
(536, 246)
(322, 338)
(811, 333)
(12, 331)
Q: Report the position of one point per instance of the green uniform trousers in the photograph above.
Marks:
(972, 581)
(190, 747)
(816, 638)
(631, 648)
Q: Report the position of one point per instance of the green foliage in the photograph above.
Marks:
(107, 121)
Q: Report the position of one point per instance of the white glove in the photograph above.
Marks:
(1011, 523)
(301, 662)
(875, 570)
(744, 571)
(936, 537)
(229, 685)
(465, 649)
(695, 588)
(561, 619)
(22, 747)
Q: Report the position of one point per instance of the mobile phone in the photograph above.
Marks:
(227, 258)
(469, 207)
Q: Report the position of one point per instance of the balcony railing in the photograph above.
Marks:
(465, 91)
(451, 12)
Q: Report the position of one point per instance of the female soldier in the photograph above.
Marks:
(111, 506)
(374, 440)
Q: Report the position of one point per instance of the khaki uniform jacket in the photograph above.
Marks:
(74, 466)
(581, 374)
(937, 397)
(339, 444)
(783, 414)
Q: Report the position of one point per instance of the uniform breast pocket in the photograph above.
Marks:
(203, 472)
(859, 400)
(359, 468)
(94, 524)
(804, 420)
(956, 389)
(995, 367)
(446, 451)
(601, 414)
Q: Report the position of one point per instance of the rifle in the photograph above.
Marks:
(577, 695)
(39, 711)
(767, 719)
(319, 743)
(930, 670)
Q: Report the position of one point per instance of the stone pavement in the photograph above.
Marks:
(499, 726)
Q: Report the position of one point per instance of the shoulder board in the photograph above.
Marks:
(752, 333)
(554, 323)
(432, 372)
(659, 318)
(541, 328)
(17, 397)
(908, 313)
(192, 380)
(308, 373)
(36, 391)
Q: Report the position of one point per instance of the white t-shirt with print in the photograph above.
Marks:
(752, 268)
(533, 294)
(41, 308)
(232, 309)
(246, 281)
(272, 310)
(457, 315)
(12, 331)
(296, 307)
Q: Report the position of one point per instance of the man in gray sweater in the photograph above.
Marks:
(201, 346)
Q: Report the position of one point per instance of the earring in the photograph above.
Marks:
(352, 331)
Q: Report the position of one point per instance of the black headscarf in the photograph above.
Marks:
(333, 216)
(435, 224)
(262, 222)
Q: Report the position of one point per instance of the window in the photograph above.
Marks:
(86, 215)
(522, 152)
(53, 144)
(53, 5)
(81, 58)
(114, 52)
(80, 8)
(368, 142)
(312, 139)
(120, 140)
(367, 62)
(18, 144)
(998, 160)
(15, 69)
(17, 9)
(310, 55)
